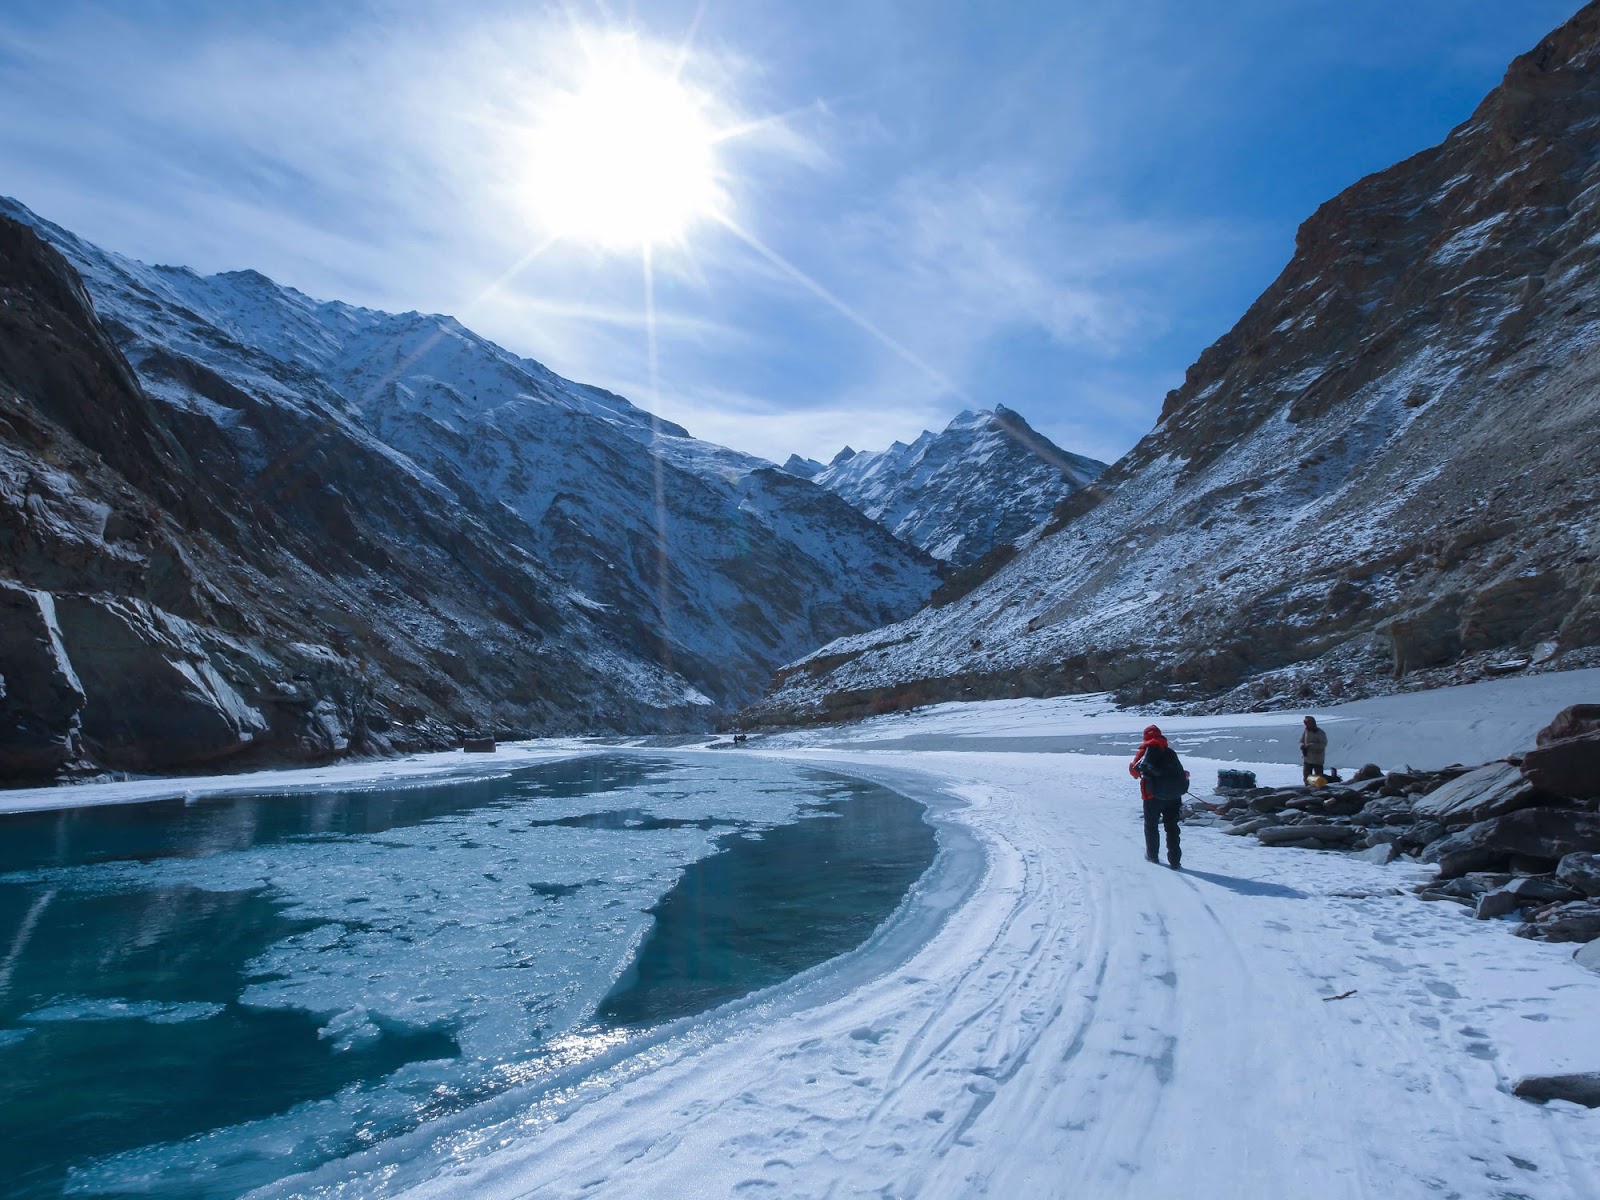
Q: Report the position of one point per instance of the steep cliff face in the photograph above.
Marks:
(985, 480)
(1388, 465)
(230, 580)
(678, 549)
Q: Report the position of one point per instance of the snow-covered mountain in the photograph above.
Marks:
(984, 481)
(712, 563)
(305, 527)
(1390, 465)
(232, 578)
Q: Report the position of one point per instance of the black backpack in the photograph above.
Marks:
(1163, 773)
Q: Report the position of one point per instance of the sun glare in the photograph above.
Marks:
(627, 157)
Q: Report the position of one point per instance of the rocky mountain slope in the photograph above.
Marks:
(220, 577)
(986, 480)
(1389, 465)
(712, 565)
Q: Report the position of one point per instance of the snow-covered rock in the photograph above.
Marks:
(985, 480)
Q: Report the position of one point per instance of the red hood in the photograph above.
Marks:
(1158, 740)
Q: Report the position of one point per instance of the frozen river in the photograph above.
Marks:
(200, 998)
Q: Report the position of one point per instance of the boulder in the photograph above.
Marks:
(1573, 721)
(1254, 825)
(1421, 833)
(1581, 871)
(1383, 853)
(1321, 835)
(1576, 921)
(1581, 1089)
(1344, 806)
(1588, 956)
(1397, 783)
(1569, 767)
(1538, 833)
(1369, 771)
(478, 745)
(1274, 801)
(1524, 892)
(1490, 791)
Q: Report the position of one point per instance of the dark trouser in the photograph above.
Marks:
(1156, 814)
(1308, 769)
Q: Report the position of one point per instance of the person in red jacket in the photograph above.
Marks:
(1162, 782)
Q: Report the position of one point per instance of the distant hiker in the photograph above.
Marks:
(1313, 749)
(1162, 783)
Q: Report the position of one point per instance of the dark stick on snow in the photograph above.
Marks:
(1340, 996)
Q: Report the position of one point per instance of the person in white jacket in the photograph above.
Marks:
(1313, 749)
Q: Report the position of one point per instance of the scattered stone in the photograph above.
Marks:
(1280, 835)
(1382, 853)
(1234, 780)
(1576, 921)
(1273, 801)
(1421, 834)
(1525, 892)
(1582, 872)
(1542, 833)
(1345, 804)
(478, 745)
(1581, 1089)
(1253, 825)
(1490, 791)
(1395, 783)
(1574, 721)
(1568, 767)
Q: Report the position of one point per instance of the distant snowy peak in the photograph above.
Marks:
(806, 468)
(987, 479)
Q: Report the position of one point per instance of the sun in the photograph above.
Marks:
(625, 158)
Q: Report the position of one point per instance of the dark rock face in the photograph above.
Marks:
(42, 698)
(175, 590)
(1385, 466)
(1568, 767)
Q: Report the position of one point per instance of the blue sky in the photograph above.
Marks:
(1054, 206)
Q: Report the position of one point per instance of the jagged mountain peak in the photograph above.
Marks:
(985, 480)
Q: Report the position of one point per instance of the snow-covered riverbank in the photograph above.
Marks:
(1057, 1017)
(1087, 1024)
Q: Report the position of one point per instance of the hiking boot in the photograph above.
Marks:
(1176, 864)
(1151, 858)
